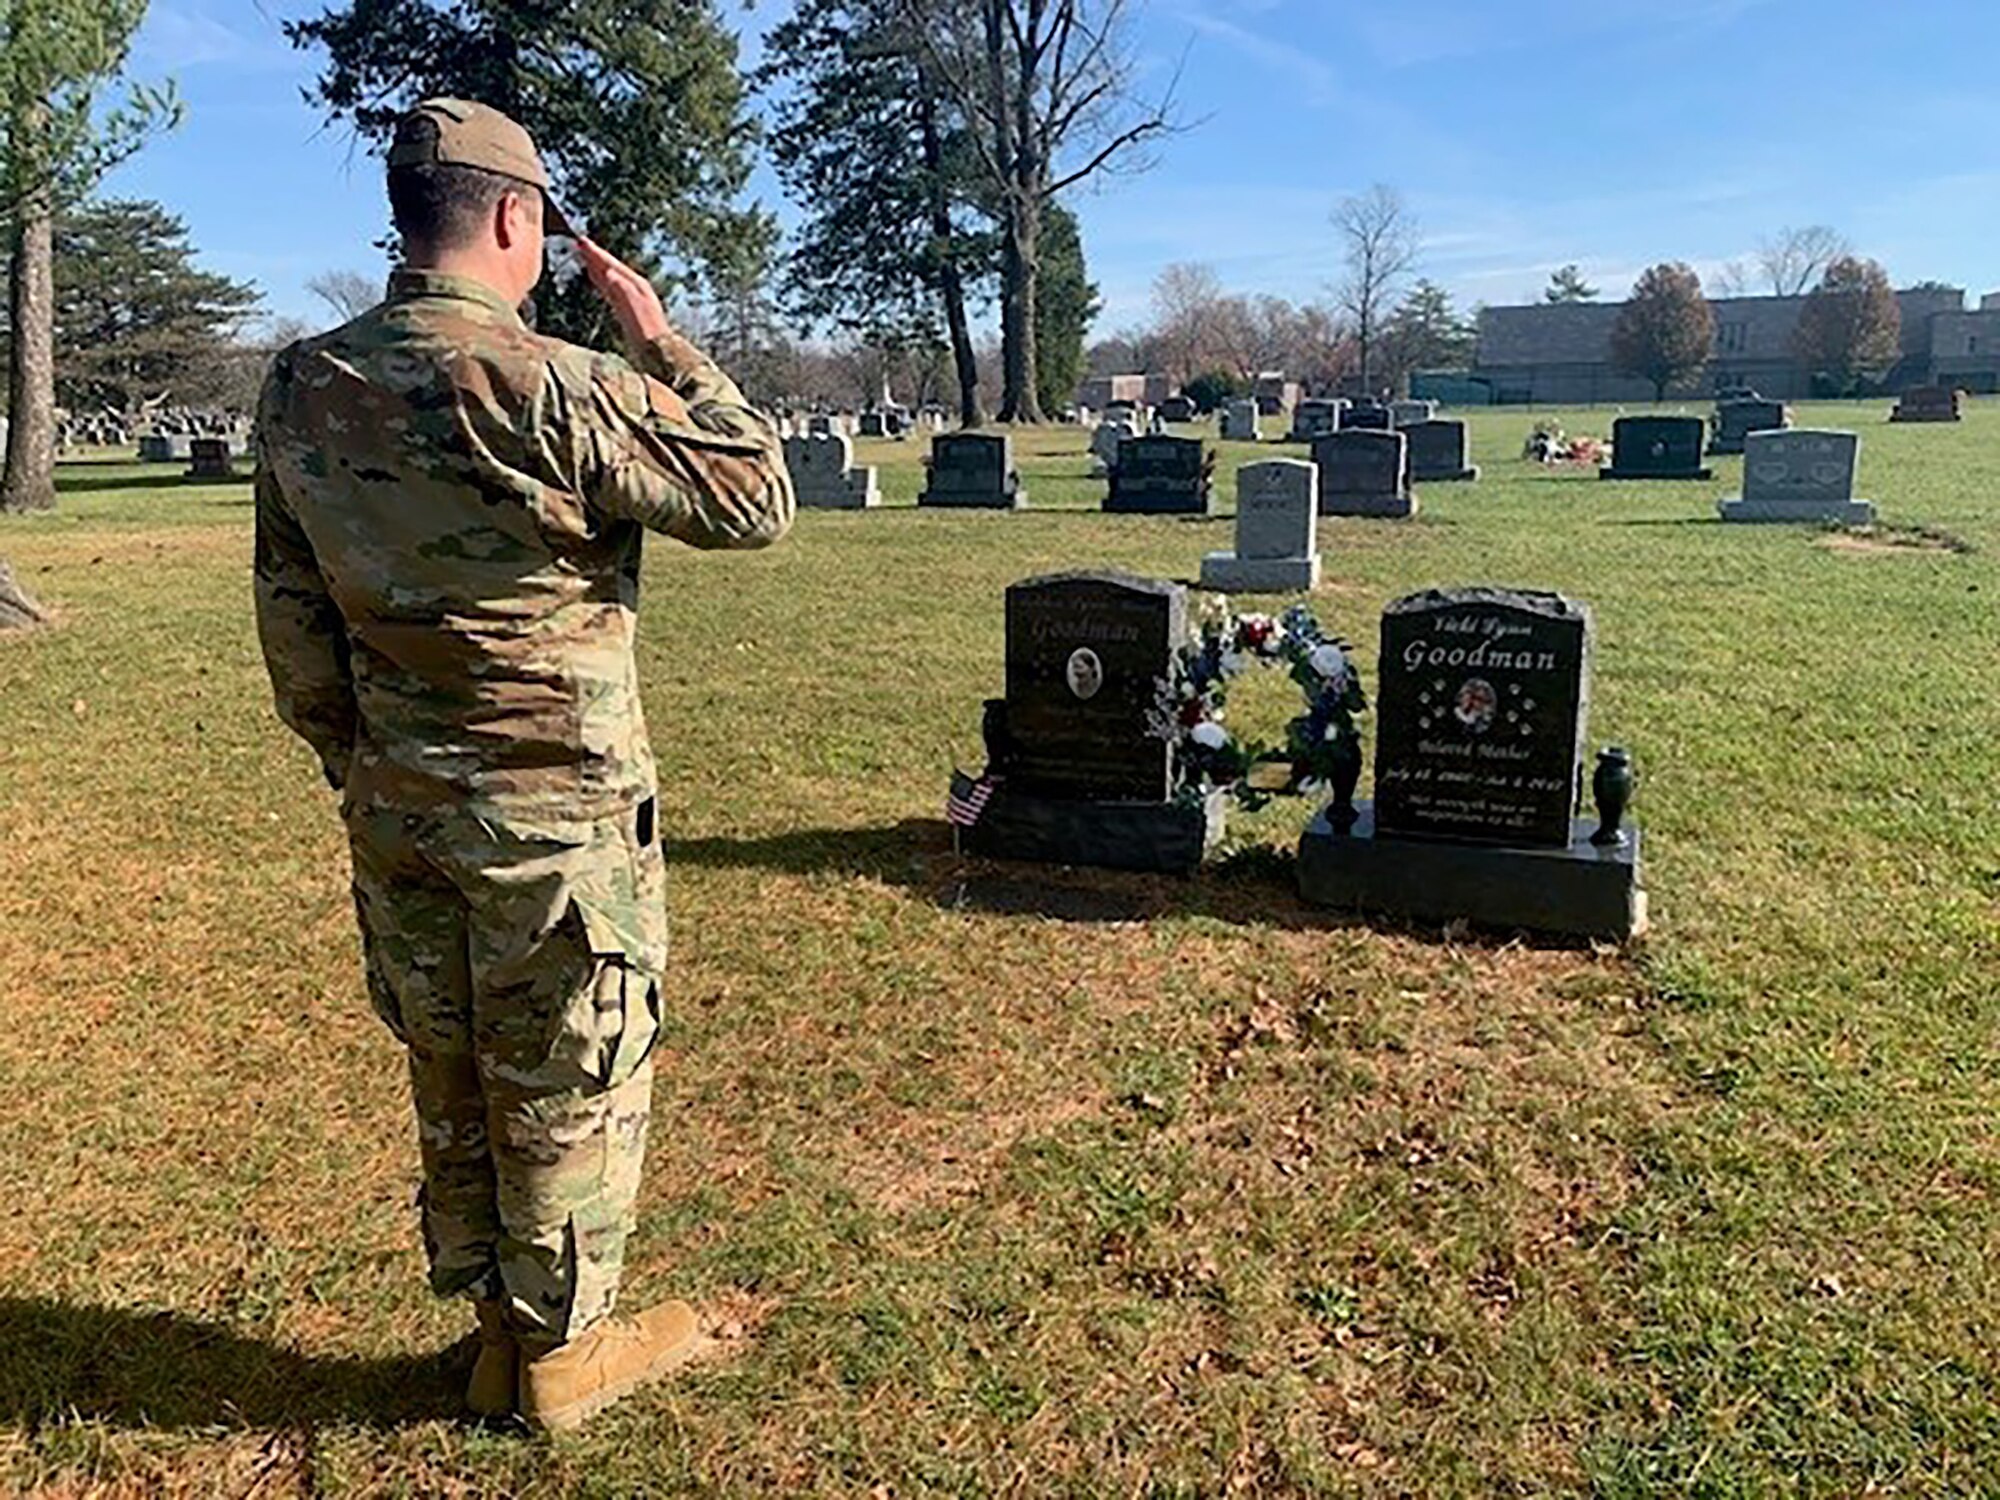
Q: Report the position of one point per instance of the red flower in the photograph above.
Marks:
(1254, 633)
(1191, 713)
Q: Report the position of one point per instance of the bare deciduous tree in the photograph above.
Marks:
(1731, 279)
(1380, 238)
(348, 293)
(1049, 92)
(1793, 259)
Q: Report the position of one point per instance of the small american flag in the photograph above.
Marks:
(968, 798)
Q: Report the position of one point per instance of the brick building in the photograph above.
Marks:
(1560, 353)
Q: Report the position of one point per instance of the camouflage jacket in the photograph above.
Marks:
(449, 514)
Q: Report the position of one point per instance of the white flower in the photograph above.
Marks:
(1332, 733)
(1233, 664)
(1209, 735)
(1329, 661)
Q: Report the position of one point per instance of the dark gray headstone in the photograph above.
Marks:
(1086, 656)
(1927, 403)
(1481, 716)
(1437, 451)
(1315, 417)
(1178, 409)
(1736, 420)
(873, 424)
(973, 470)
(1161, 476)
(1656, 448)
(1363, 473)
(1367, 416)
(210, 458)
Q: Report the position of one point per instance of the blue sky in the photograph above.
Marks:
(1523, 133)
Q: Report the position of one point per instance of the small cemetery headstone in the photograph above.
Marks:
(821, 424)
(973, 471)
(1161, 475)
(1736, 420)
(1928, 403)
(1316, 417)
(1656, 448)
(1077, 772)
(873, 424)
(1364, 473)
(1481, 722)
(1277, 524)
(1438, 451)
(1178, 409)
(1105, 440)
(1367, 416)
(1800, 474)
(210, 458)
(1409, 413)
(164, 448)
(1239, 423)
(824, 475)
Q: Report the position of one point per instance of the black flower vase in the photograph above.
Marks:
(1611, 788)
(1346, 776)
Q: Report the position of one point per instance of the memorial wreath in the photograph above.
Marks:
(1322, 749)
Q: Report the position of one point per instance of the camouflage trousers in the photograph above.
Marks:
(521, 966)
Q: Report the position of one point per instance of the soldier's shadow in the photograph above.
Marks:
(59, 1362)
(1254, 886)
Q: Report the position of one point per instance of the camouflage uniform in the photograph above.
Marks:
(449, 514)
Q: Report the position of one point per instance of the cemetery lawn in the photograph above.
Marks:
(1005, 1182)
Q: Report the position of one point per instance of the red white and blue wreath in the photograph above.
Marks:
(1322, 749)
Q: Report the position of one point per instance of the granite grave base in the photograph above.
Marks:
(1446, 476)
(1228, 573)
(1581, 891)
(1160, 838)
(1704, 472)
(1801, 512)
(1370, 507)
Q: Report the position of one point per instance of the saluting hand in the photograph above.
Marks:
(629, 295)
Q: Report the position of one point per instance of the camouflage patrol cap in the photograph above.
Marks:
(462, 133)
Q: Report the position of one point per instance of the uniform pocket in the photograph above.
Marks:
(611, 1018)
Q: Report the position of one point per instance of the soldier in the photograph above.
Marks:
(449, 516)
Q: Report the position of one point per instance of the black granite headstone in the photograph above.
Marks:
(1363, 473)
(1160, 475)
(1437, 450)
(1367, 416)
(973, 470)
(1656, 448)
(1736, 420)
(1481, 716)
(1086, 655)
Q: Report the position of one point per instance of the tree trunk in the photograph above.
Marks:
(1019, 400)
(30, 476)
(951, 280)
(17, 607)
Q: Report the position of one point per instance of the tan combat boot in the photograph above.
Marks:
(567, 1386)
(496, 1368)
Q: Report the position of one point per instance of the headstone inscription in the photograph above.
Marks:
(973, 471)
(824, 475)
(1086, 653)
(1314, 417)
(1437, 451)
(1240, 424)
(1364, 473)
(1077, 772)
(1277, 545)
(1656, 448)
(210, 458)
(1801, 474)
(1736, 420)
(1928, 403)
(1481, 717)
(1159, 475)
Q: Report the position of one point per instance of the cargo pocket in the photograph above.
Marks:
(612, 1018)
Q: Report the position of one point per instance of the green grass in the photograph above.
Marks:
(1009, 1182)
